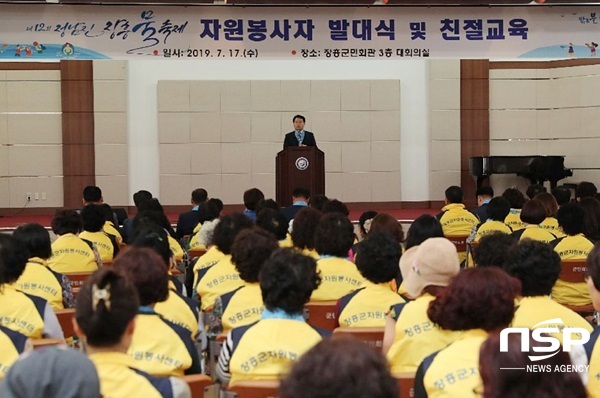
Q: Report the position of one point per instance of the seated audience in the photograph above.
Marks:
(109, 225)
(187, 221)
(276, 223)
(317, 201)
(516, 200)
(424, 227)
(495, 250)
(206, 212)
(159, 347)
(318, 373)
(70, 253)
(151, 211)
(592, 348)
(12, 345)
(377, 260)
(29, 315)
(497, 210)
(300, 198)
(537, 266)
(212, 254)
(110, 299)
(466, 306)
(410, 335)
(282, 335)
(562, 195)
(303, 233)
(534, 189)
(504, 374)
(574, 246)
(222, 277)
(38, 279)
(92, 217)
(483, 195)
(335, 206)
(591, 222)
(177, 308)
(333, 238)
(585, 189)
(532, 215)
(243, 306)
(52, 373)
(455, 219)
(550, 223)
(364, 223)
(251, 198)
(138, 198)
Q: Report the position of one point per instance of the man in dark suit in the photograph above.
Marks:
(300, 197)
(187, 221)
(484, 195)
(299, 137)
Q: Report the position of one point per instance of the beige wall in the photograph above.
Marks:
(444, 100)
(224, 136)
(110, 131)
(546, 112)
(30, 139)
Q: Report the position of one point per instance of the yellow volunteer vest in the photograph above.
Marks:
(118, 379)
(513, 220)
(311, 253)
(454, 371)
(287, 242)
(71, 254)
(417, 336)
(20, 312)
(368, 306)
(267, 349)
(550, 224)
(210, 258)
(103, 244)
(535, 232)
(12, 345)
(456, 220)
(217, 280)
(533, 310)
(157, 348)
(593, 354)
(575, 247)
(38, 280)
(242, 307)
(179, 311)
(109, 228)
(489, 227)
(338, 278)
(176, 249)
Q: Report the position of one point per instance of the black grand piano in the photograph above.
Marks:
(536, 169)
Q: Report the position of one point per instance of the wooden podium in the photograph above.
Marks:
(299, 167)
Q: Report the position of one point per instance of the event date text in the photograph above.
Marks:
(208, 53)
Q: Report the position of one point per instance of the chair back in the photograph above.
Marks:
(197, 384)
(321, 314)
(77, 278)
(194, 253)
(406, 384)
(572, 271)
(254, 389)
(41, 343)
(460, 241)
(65, 318)
(372, 336)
